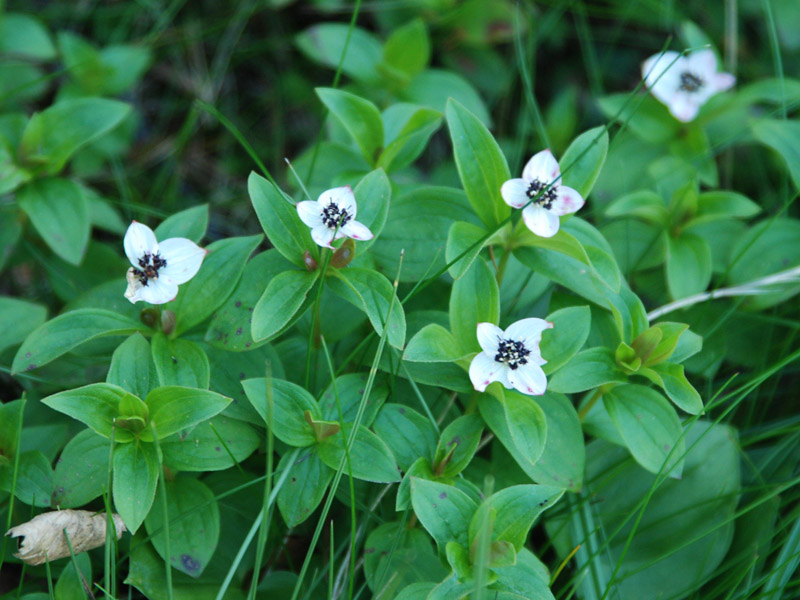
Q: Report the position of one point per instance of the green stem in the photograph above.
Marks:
(598, 393)
(501, 268)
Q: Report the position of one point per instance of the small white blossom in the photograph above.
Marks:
(541, 174)
(511, 357)
(158, 269)
(685, 83)
(333, 216)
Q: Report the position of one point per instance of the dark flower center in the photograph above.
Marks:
(333, 216)
(690, 82)
(546, 198)
(512, 353)
(150, 264)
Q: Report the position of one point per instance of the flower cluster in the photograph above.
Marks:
(685, 83)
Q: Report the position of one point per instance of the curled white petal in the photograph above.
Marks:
(567, 201)
(540, 221)
(183, 257)
(528, 379)
(488, 337)
(483, 370)
(157, 291)
(542, 166)
(322, 236)
(514, 192)
(528, 331)
(356, 230)
(139, 240)
(310, 213)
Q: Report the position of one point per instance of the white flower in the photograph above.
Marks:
(684, 84)
(333, 216)
(158, 269)
(511, 357)
(541, 174)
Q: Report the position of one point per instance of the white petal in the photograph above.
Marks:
(343, 197)
(183, 257)
(540, 221)
(322, 236)
(514, 192)
(356, 230)
(528, 379)
(529, 332)
(662, 74)
(310, 213)
(683, 107)
(722, 81)
(488, 337)
(541, 166)
(157, 291)
(567, 201)
(132, 293)
(139, 240)
(483, 370)
(702, 63)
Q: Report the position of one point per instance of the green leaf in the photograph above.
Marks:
(361, 118)
(562, 242)
(395, 557)
(372, 292)
(373, 194)
(216, 279)
(70, 584)
(96, 405)
(516, 507)
(420, 468)
(647, 118)
(459, 560)
(408, 434)
(435, 87)
(132, 366)
(689, 344)
(135, 477)
(570, 330)
(324, 43)
(208, 445)
(17, 319)
(191, 223)
(649, 426)
(230, 328)
(561, 463)
(407, 51)
(584, 159)
(280, 303)
(407, 129)
(81, 472)
(724, 204)
(688, 265)
(444, 511)
(63, 333)
(59, 212)
(279, 219)
(24, 35)
(481, 165)
(180, 362)
(53, 135)
(475, 298)
(684, 534)
(677, 387)
(290, 402)
(350, 391)
(463, 238)
(527, 425)
(670, 335)
(370, 457)
(173, 408)
(432, 343)
(457, 445)
(34, 479)
(422, 240)
(194, 525)
(644, 204)
(305, 487)
(587, 370)
(783, 136)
